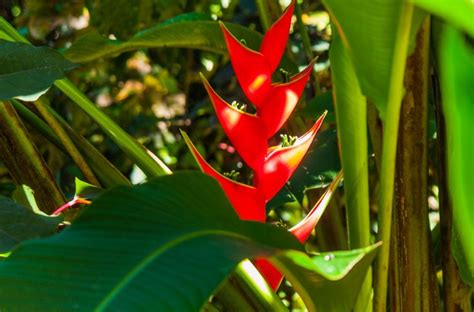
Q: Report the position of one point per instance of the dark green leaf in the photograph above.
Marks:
(18, 224)
(186, 31)
(168, 243)
(27, 72)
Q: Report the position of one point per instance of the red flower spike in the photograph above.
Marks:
(281, 162)
(250, 67)
(243, 130)
(303, 229)
(281, 101)
(275, 39)
(245, 199)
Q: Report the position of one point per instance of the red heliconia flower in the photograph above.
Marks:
(246, 200)
(249, 133)
(282, 100)
(281, 162)
(242, 129)
(254, 69)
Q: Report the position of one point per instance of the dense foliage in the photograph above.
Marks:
(106, 108)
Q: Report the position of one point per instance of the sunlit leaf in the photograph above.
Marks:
(457, 77)
(328, 281)
(457, 12)
(368, 30)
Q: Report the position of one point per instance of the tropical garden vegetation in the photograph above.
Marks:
(204, 155)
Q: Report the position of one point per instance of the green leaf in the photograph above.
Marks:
(192, 30)
(368, 30)
(86, 190)
(167, 243)
(457, 79)
(351, 116)
(202, 35)
(26, 70)
(18, 224)
(328, 281)
(460, 13)
(25, 196)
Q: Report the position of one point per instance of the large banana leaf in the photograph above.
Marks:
(457, 12)
(351, 115)
(368, 30)
(457, 78)
(164, 245)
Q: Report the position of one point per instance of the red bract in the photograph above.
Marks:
(249, 133)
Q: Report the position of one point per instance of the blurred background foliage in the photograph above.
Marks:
(152, 93)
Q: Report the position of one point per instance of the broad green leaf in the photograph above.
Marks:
(457, 79)
(203, 35)
(328, 281)
(351, 116)
(168, 244)
(26, 70)
(18, 224)
(459, 13)
(368, 30)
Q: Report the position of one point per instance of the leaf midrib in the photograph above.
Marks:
(140, 266)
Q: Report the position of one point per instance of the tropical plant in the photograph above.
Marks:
(76, 234)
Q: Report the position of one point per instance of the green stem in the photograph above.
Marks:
(389, 149)
(306, 43)
(257, 295)
(107, 173)
(42, 107)
(264, 15)
(24, 162)
(146, 160)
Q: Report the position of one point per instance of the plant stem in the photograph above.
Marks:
(24, 162)
(246, 290)
(412, 272)
(265, 19)
(42, 107)
(389, 149)
(150, 164)
(108, 175)
(306, 43)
